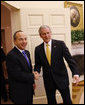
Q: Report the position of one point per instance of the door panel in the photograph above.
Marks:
(59, 21)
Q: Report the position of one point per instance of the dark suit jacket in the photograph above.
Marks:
(58, 69)
(2, 78)
(20, 77)
(3, 58)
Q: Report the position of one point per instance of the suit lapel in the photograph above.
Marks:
(21, 57)
(53, 50)
(43, 54)
(52, 53)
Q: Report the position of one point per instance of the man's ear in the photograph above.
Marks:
(15, 42)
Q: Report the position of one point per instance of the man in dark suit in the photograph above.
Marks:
(20, 76)
(49, 55)
(3, 81)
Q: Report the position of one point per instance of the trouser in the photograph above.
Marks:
(51, 88)
(3, 88)
(65, 93)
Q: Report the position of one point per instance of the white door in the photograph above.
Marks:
(59, 21)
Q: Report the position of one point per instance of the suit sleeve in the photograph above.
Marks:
(70, 60)
(14, 71)
(37, 66)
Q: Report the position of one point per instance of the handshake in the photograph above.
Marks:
(36, 75)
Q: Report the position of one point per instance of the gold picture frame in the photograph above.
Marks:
(76, 15)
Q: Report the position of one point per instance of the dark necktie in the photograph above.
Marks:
(26, 58)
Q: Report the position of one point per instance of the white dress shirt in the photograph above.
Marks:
(50, 45)
(19, 49)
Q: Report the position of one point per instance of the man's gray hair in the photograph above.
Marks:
(43, 26)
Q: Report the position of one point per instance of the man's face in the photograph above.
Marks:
(45, 34)
(21, 40)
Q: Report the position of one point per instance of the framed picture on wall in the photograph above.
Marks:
(76, 18)
(76, 14)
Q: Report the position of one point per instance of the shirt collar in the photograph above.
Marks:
(49, 43)
(19, 49)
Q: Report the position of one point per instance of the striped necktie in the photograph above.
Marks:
(26, 58)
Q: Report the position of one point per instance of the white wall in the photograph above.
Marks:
(40, 4)
(36, 4)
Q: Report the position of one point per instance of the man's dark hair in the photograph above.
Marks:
(16, 33)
